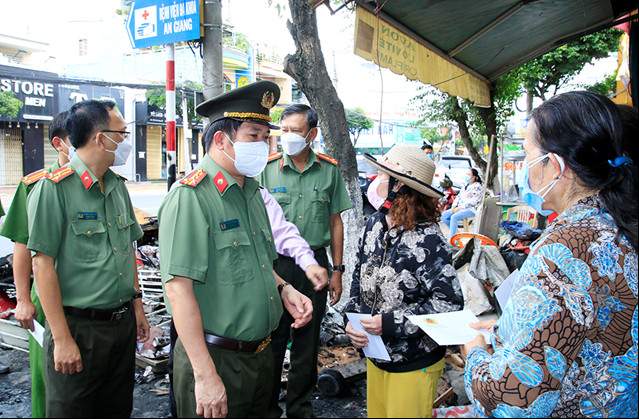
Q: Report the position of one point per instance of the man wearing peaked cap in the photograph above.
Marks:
(225, 298)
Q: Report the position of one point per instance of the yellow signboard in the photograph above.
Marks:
(393, 49)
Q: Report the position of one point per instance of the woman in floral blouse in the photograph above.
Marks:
(404, 267)
(466, 202)
(566, 343)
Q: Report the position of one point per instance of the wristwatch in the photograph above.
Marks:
(281, 286)
(136, 296)
(339, 268)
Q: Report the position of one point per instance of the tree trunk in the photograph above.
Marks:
(308, 68)
(487, 115)
(530, 94)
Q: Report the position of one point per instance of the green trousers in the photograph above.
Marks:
(246, 377)
(302, 374)
(38, 400)
(104, 388)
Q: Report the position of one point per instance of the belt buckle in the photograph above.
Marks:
(263, 345)
(117, 315)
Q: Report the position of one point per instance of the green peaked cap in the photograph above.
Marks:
(250, 103)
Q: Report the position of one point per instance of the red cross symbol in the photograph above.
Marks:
(145, 14)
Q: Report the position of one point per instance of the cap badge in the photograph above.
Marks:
(268, 100)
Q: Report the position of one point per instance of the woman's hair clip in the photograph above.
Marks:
(620, 161)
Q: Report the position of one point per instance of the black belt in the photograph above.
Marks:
(256, 346)
(319, 252)
(113, 314)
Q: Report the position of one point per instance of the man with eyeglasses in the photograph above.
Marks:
(81, 228)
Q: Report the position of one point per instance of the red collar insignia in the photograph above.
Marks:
(86, 179)
(220, 182)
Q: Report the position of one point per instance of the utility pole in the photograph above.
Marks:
(212, 74)
(171, 162)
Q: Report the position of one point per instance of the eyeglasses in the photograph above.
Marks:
(124, 134)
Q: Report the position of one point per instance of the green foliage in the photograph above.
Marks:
(157, 97)
(9, 106)
(275, 115)
(433, 136)
(236, 40)
(126, 6)
(607, 87)
(358, 122)
(280, 7)
(555, 68)
(442, 108)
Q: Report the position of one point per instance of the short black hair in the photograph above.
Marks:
(58, 127)
(311, 115)
(475, 173)
(227, 125)
(87, 117)
(426, 145)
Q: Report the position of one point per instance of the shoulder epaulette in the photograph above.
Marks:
(34, 177)
(121, 177)
(327, 158)
(60, 174)
(274, 156)
(194, 178)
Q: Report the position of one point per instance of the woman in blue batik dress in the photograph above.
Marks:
(566, 343)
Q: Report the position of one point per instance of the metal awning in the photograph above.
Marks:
(487, 38)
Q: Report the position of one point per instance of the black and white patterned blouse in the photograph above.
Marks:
(400, 273)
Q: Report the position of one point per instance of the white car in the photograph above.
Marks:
(456, 167)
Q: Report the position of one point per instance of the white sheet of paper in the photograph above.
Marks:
(38, 332)
(450, 328)
(503, 291)
(375, 348)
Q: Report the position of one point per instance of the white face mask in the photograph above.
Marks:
(70, 149)
(250, 158)
(292, 143)
(121, 152)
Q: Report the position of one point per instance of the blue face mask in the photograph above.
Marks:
(467, 179)
(534, 199)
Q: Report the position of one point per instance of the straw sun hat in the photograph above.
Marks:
(417, 169)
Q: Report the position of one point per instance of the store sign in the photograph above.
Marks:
(152, 23)
(43, 100)
(70, 94)
(38, 98)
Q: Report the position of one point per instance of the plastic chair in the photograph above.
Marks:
(522, 213)
(459, 240)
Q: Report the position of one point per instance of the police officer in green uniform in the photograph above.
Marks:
(310, 189)
(28, 306)
(81, 228)
(217, 252)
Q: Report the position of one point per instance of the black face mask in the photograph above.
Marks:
(391, 195)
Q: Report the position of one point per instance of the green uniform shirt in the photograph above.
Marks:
(15, 226)
(89, 234)
(309, 197)
(217, 234)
